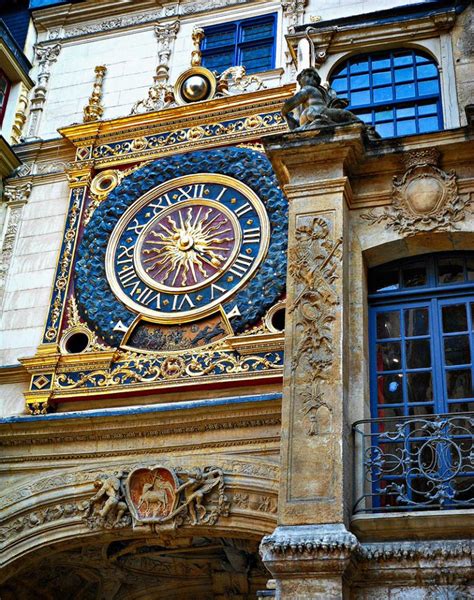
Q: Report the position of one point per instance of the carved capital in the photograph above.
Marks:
(316, 549)
(293, 10)
(166, 33)
(47, 55)
(17, 194)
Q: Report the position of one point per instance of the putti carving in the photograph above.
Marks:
(160, 94)
(46, 56)
(313, 265)
(163, 495)
(157, 496)
(107, 507)
(315, 106)
(425, 198)
(94, 109)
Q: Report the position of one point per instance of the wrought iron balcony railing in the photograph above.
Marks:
(414, 463)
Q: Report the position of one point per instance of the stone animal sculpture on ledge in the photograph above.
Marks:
(317, 106)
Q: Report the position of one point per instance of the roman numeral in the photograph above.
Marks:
(251, 236)
(245, 208)
(128, 278)
(195, 190)
(136, 227)
(148, 296)
(178, 305)
(215, 287)
(161, 203)
(241, 265)
(221, 193)
(126, 254)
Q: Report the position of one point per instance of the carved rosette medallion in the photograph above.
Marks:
(424, 199)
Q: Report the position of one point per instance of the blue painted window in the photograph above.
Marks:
(397, 92)
(250, 43)
(422, 336)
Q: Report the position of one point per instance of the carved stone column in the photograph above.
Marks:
(16, 197)
(311, 548)
(46, 56)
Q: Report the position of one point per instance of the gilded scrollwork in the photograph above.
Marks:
(64, 265)
(313, 266)
(134, 368)
(76, 325)
(425, 198)
(185, 136)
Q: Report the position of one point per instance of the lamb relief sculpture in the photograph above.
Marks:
(158, 496)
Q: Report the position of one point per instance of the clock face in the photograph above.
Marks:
(187, 246)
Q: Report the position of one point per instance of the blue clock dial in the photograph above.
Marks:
(186, 246)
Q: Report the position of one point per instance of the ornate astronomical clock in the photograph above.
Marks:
(188, 250)
(172, 268)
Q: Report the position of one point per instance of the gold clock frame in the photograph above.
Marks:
(198, 178)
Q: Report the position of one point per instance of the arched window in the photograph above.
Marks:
(422, 336)
(398, 91)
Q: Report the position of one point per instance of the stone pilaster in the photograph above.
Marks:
(16, 197)
(314, 500)
(45, 56)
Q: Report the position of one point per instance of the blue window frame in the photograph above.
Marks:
(421, 316)
(250, 43)
(398, 92)
(422, 336)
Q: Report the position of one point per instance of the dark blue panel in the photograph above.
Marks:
(250, 42)
(17, 23)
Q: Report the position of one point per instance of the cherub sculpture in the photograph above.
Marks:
(317, 106)
(109, 489)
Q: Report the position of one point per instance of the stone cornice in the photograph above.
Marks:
(171, 427)
(347, 36)
(43, 158)
(74, 21)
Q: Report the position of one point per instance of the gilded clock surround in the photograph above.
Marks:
(243, 352)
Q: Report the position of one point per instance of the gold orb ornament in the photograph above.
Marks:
(195, 85)
(195, 88)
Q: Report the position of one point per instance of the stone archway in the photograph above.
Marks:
(58, 543)
(195, 567)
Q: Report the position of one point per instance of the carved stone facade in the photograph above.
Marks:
(425, 198)
(215, 456)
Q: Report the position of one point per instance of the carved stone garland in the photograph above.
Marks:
(425, 198)
(313, 266)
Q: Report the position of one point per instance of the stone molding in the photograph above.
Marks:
(319, 550)
(412, 550)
